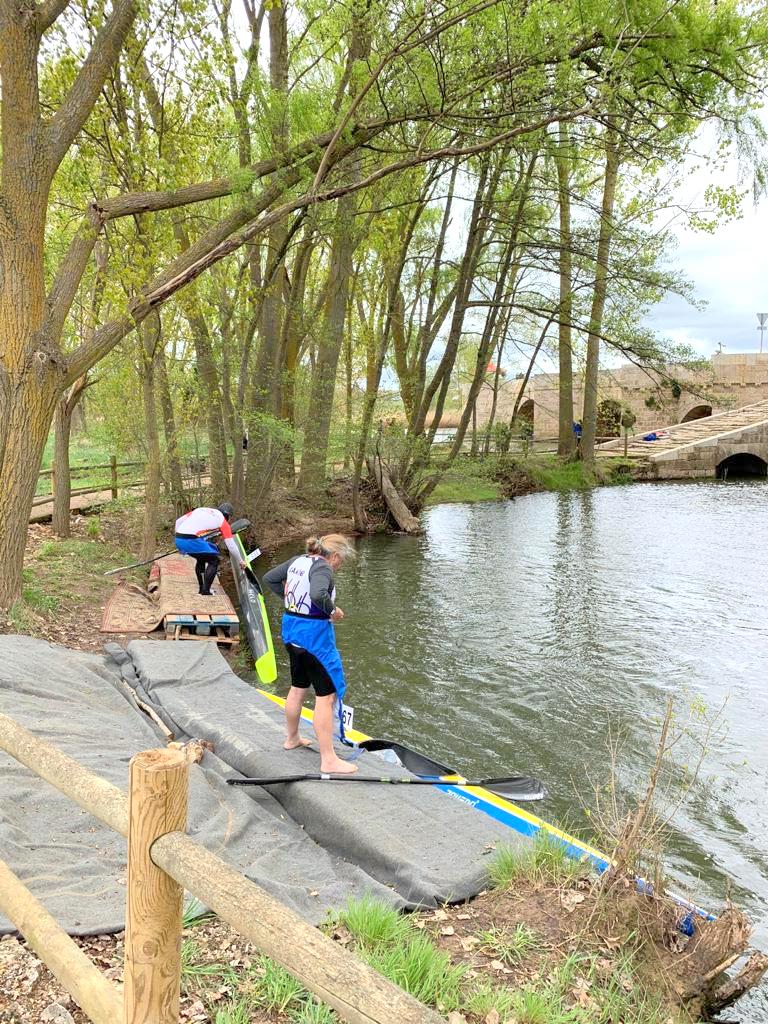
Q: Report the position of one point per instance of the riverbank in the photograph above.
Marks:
(548, 943)
(532, 951)
(500, 477)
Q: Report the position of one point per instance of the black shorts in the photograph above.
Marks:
(307, 671)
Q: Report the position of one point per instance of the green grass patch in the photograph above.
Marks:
(387, 940)
(580, 988)
(74, 556)
(485, 997)
(511, 946)
(543, 860)
(466, 481)
(374, 923)
(554, 474)
(423, 970)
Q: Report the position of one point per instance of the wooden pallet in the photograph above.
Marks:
(221, 629)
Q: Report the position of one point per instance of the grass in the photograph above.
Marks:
(466, 481)
(486, 997)
(470, 480)
(543, 860)
(276, 989)
(422, 969)
(578, 988)
(511, 947)
(374, 923)
(63, 575)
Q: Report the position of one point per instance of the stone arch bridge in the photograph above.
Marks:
(726, 444)
(704, 418)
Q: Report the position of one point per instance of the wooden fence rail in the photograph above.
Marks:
(85, 468)
(162, 861)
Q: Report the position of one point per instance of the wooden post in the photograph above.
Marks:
(157, 805)
(113, 472)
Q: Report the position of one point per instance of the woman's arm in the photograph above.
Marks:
(321, 586)
(275, 578)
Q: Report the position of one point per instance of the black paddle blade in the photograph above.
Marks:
(518, 789)
(415, 762)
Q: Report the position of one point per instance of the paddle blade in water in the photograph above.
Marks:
(518, 789)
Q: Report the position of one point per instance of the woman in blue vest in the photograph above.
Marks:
(306, 585)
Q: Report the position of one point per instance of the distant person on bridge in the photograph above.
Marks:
(191, 539)
(306, 585)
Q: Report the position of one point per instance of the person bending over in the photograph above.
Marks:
(191, 530)
(306, 585)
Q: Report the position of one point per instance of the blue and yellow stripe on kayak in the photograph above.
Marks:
(494, 806)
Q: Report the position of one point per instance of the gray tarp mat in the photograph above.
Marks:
(73, 863)
(427, 846)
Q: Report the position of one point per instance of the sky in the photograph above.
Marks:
(728, 268)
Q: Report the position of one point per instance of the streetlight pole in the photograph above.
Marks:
(762, 317)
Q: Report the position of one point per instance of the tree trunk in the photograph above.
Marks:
(265, 392)
(172, 459)
(149, 340)
(402, 515)
(348, 400)
(293, 331)
(589, 422)
(318, 425)
(496, 383)
(26, 410)
(31, 370)
(566, 441)
(62, 478)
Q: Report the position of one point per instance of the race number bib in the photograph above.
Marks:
(347, 716)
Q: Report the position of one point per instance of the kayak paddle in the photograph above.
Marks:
(514, 787)
(237, 527)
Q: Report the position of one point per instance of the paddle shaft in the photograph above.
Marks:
(516, 780)
(211, 535)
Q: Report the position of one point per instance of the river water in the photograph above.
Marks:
(520, 636)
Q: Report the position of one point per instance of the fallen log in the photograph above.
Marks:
(734, 988)
(402, 515)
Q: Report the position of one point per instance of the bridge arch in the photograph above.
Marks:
(697, 412)
(525, 415)
(740, 465)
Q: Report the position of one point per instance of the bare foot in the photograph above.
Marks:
(338, 767)
(292, 743)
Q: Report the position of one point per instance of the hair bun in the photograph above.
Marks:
(313, 545)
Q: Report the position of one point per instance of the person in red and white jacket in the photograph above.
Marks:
(192, 531)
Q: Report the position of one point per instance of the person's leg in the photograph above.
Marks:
(200, 571)
(210, 574)
(323, 724)
(325, 697)
(295, 699)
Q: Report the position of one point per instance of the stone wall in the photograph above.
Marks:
(729, 381)
(701, 458)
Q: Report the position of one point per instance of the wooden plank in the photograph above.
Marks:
(190, 633)
(82, 979)
(358, 993)
(203, 625)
